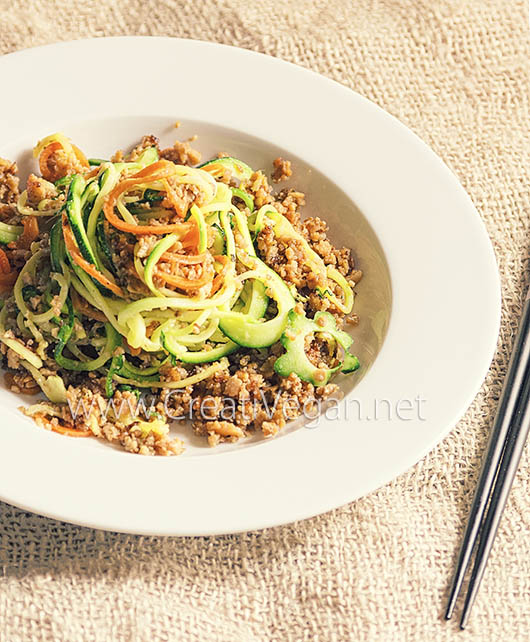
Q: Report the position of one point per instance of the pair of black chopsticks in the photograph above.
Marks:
(505, 447)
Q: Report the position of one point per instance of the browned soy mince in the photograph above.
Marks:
(248, 395)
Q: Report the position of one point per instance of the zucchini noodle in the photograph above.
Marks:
(53, 138)
(84, 286)
(16, 345)
(283, 229)
(137, 335)
(126, 215)
(145, 215)
(109, 178)
(21, 325)
(169, 325)
(347, 304)
(42, 344)
(182, 383)
(29, 270)
(162, 246)
(191, 339)
(46, 207)
(182, 303)
(52, 386)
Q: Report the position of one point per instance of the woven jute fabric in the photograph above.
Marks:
(457, 73)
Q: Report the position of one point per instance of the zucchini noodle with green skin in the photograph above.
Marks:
(147, 263)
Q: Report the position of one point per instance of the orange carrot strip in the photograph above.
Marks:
(182, 282)
(189, 243)
(71, 432)
(163, 167)
(54, 174)
(7, 281)
(87, 267)
(192, 237)
(158, 171)
(5, 266)
(30, 233)
(91, 173)
(48, 173)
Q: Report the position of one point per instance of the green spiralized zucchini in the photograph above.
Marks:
(95, 162)
(64, 182)
(244, 196)
(87, 199)
(107, 180)
(222, 364)
(113, 341)
(252, 333)
(29, 272)
(16, 345)
(104, 247)
(128, 369)
(52, 385)
(147, 157)
(206, 355)
(198, 217)
(84, 204)
(238, 168)
(57, 248)
(74, 213)
(160, 248)
(295, 359)
(9, 233)
(240, 327)
(115, 366)
(284, 229)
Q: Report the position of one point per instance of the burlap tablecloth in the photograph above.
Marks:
(457, 73)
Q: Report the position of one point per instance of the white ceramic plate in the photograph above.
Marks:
(431, 283)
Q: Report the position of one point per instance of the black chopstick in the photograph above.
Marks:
(508, 469)
(503, 426)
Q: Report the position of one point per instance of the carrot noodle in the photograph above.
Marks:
(55, 173)
(91, 173)
(69, 432)
(30, 233)
(5, 267)
(87, 267)
(7, 276)
(47, 172)
(7, 281)
(158, 171)
(183, 282)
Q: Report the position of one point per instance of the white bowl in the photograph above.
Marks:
(429, 301)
